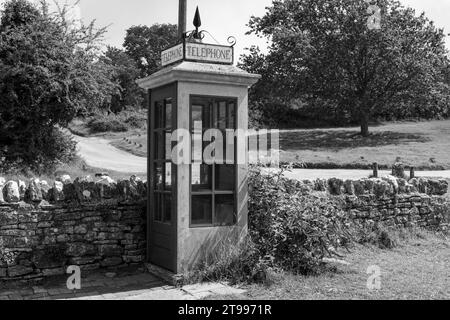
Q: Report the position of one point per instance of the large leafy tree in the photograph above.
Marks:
(324, 50)
(144, 45)
(125, 72)
(49, 73)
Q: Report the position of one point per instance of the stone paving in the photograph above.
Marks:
(124, 286)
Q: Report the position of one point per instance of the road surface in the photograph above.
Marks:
(98, 153)
(312, 174)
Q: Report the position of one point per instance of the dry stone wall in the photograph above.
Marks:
(392, 201)
(102, 224)
(90, 224)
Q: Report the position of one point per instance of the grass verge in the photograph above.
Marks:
(415, 269)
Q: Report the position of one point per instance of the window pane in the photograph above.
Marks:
(201, 116)
(231, 116)
(202, 210)
(158, 115)
(168, 176)
(221, 115)
(157, 214)
(201, 177)
(168, 146)
(225, 213)
(196, 115)
(158, 177)
(168, 115)
(197, 146)
(229, 146)
(158, 146)
(167, 216)
(225, 177)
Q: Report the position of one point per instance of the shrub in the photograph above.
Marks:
(121, 122)
(49, 73)
(107, 124)
(59, 148)
(136, 120)
(291, 230)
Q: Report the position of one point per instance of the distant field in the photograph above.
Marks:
(425, 145)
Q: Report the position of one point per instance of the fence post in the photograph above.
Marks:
(412, 173)
(375, 170)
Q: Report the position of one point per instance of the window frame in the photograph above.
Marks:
(213, 192)
(163, 192)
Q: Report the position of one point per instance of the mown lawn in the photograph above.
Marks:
(417, 269)
(424, 145)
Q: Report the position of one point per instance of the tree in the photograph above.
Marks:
(125, 72)
(49, 73)
(324, 50)
(144, 45)
(17, 13)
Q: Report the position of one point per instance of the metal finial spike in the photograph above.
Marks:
(197, 19)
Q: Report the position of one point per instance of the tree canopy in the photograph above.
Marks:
(125, 72)
(323, 52)
(50, 72)
(144, 45)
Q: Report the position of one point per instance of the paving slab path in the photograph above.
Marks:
(135, 286)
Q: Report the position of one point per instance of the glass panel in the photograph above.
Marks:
(229, 147)
(158, 146)
(196, 115)
(158, 177)
(201, 177)
(225, 177)
(225, 214)
(157, 207)
(168, 176)
(231, 116)
(167, 216)
(168, 116)
(202, 210)
(158, 115)
(168, 146)
(201, 115)
(197, 146)
(221, 115)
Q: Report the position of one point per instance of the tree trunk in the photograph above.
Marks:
(364, 121)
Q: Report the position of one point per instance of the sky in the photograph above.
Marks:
(222, 18)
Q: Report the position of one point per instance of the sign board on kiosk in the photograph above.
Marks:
(198, 52)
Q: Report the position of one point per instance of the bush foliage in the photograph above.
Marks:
(49, 74)
(121, 122)
(324, 54)
(293, 231)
